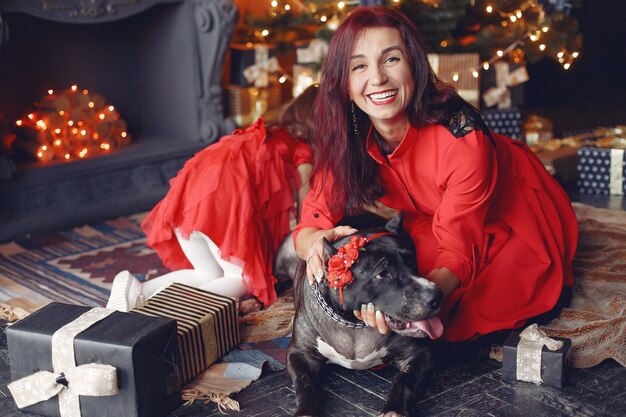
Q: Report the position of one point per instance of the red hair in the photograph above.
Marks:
(340, 152)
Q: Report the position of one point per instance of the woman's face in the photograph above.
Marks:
(380, 80)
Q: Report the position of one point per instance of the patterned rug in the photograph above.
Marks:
(75, 266)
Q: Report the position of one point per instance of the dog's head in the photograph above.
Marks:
(385, 274)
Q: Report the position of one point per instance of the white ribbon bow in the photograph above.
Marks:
(532, 341)
(314, 53)
(90, 379)
(259, 72)
(34, 388)
(505, 79)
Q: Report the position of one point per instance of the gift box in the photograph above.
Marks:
(134, 359)
(504, 122)
(562, 163)
(246, 104)
(532, 356)
(601, 171)
(459, 71)
(207, 324)
(536, 130)
(252, 63)
(503, 85)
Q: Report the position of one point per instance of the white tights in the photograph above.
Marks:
(210, 272)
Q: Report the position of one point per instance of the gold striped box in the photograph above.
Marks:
(207, 324)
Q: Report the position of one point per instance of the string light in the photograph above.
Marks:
(56, 135)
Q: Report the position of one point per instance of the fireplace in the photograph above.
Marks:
(160, 63)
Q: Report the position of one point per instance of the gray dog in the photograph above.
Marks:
(383, 272)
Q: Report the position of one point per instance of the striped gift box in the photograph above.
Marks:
(207, 324)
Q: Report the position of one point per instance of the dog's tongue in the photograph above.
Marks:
(431, 326)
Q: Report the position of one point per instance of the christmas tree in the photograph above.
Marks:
(515, 30)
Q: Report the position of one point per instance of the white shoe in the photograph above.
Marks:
(126, 292)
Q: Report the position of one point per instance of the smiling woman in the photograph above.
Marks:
(492, 229)
(380, 81)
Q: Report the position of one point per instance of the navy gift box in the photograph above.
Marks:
(144, 351)
(554, 363)
(601, 171)
(504, 122)
(243, 56)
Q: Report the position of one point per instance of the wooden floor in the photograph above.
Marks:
(471, 387)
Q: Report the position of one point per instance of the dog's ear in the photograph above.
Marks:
(329, 251)
(395, 224)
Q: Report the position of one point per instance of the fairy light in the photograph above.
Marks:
(475, 73)
(341, 5)
(486, 66)
(574, 54)
(323, 19)
(500, 53)
(287, 7)
(282, 79)
(542, 47)
(63, 134)
(545, 29)
(455, 77)
(566, 65)
(489, 8)
(560, 54)
(105, 146)
(513, 18)
(274, 3)
(265, 32)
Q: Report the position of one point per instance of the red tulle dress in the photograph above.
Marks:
(240, 193)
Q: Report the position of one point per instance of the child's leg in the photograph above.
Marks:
(202, 258)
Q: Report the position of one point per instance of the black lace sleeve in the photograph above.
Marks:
(465, 120)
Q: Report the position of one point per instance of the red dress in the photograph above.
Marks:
(490, 213)
(240, 193)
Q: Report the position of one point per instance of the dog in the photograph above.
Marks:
(325, 329)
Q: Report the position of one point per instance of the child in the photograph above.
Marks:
(227, 211)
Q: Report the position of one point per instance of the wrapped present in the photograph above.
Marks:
(246, 104)
(561, 162)
(252, 63)
(207, 324)
(460, 71)
(534, 357)
(602, 170)
(309, 57)
(69, 360)
(502, 85)
(536, 130)
(504, 122)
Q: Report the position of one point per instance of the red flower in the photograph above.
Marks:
(339, 274)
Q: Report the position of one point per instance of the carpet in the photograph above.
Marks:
(77, 266)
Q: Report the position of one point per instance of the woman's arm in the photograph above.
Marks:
(304, 171)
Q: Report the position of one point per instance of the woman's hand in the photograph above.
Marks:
(310, 247)
(372, 317)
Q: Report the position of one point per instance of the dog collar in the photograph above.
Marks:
(331, 313)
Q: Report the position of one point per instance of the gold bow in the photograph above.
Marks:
(532, 341)
(505, 79)
(90, 379)
(259, 72)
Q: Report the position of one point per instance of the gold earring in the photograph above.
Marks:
(355, 122)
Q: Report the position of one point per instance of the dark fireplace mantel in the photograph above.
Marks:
(158, 61)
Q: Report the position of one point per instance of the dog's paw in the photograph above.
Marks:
(391, 414)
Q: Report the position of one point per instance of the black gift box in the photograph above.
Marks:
(243, 56)
(554, 363)
(143, 349)
(488, 81)
(594, 172)
(504, 122)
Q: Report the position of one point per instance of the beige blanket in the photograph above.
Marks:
(596, 318)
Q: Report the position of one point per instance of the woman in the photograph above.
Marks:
(491, 227)
(228, 210)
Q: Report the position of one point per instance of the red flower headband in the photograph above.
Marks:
(339, 274)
